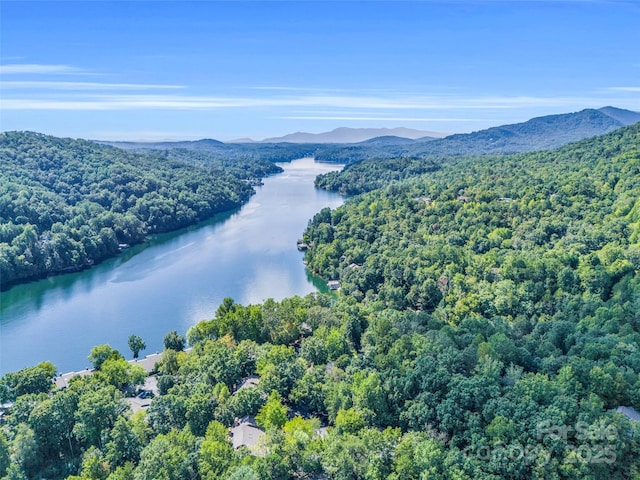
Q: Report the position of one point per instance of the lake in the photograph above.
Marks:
(172, 281)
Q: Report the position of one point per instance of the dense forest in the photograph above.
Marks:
(361, 177)
(228, 152)
(66, 204)
(486, 328)
(373, 164)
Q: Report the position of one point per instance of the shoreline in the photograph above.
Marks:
(118, 252)
(175, 280)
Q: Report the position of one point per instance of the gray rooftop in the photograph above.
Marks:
(247, 435)
(136, 403)
(629, 412)
(249, 382)
(147, 362)
(62, 381)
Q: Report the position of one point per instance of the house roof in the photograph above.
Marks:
(250, 381)
(62, 381)
(247, 435)
(148, 362)
(629, 412)
(136, 403)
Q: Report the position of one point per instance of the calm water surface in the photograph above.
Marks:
(171, 282)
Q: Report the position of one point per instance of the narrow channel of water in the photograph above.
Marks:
(171, 282)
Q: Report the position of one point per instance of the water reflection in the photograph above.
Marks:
(171, 282)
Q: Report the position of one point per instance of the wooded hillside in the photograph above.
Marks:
(487, 328)
(65, 204)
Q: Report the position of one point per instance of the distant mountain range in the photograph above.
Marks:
(625, 117)
(348, 135)
(550, 131)
(371, 166)
(539, 133)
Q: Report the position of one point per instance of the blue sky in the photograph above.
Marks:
(153, 70)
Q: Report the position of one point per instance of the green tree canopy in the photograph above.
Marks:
(136, 344)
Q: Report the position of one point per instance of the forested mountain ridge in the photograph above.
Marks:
(376, 161)
(65, 204)
(225, 152)
(539, 133)
(487, 327)
(545, 132)
(625, 117)
(561, 207)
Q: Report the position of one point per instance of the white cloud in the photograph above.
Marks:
(375, 119)
(34, 68)
(14, 85)
(346, 105)
(625, 89)
(309, 90)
